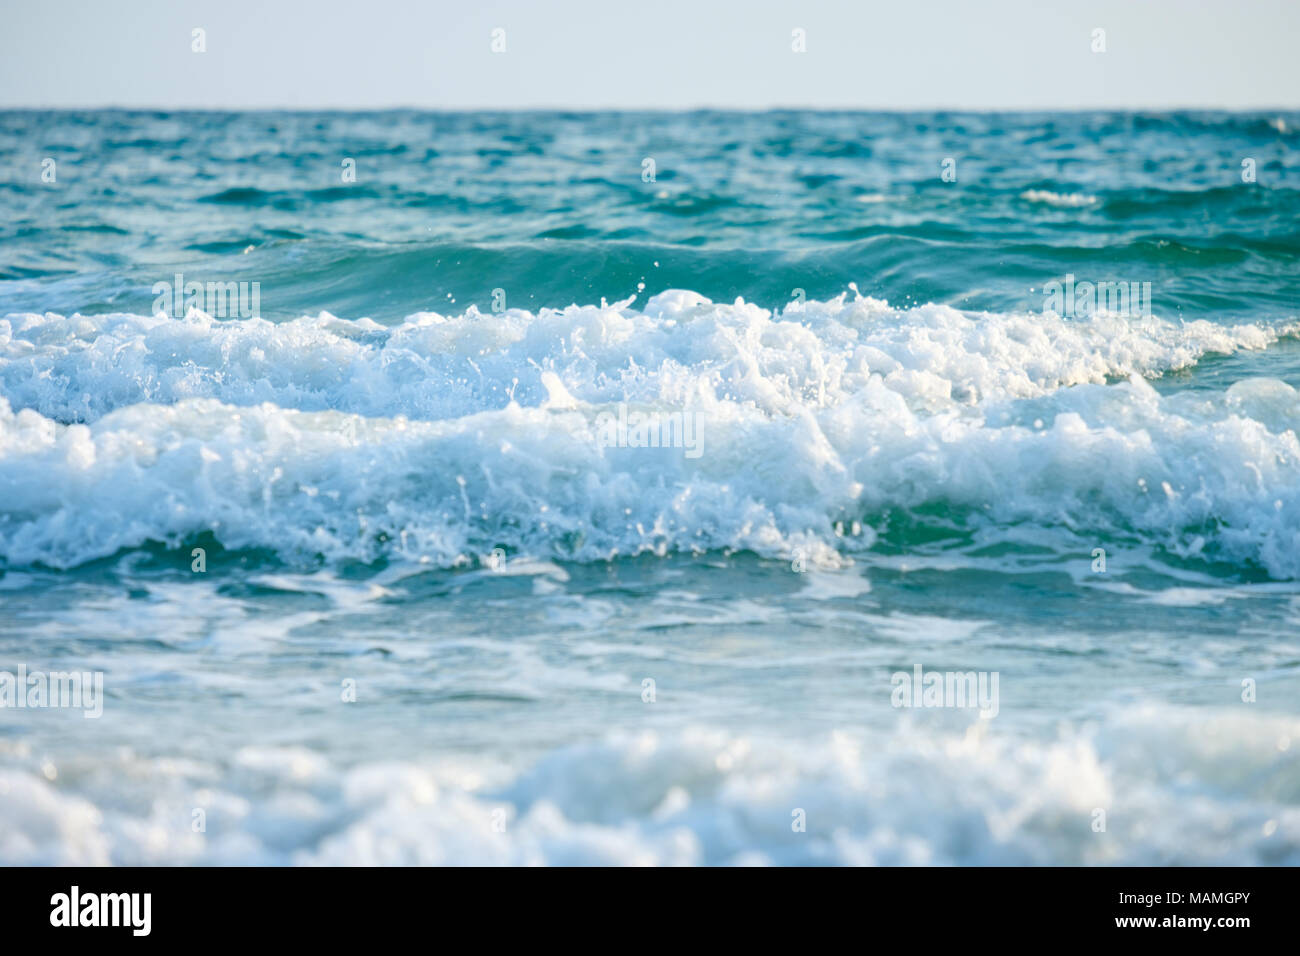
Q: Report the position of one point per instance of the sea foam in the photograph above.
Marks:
(912, 796)
(444, 438)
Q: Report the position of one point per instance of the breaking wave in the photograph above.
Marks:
(820, 427)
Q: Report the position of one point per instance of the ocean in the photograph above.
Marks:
(649, 488)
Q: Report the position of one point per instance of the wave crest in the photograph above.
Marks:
(445, 438)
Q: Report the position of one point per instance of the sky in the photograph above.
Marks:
(655, 54)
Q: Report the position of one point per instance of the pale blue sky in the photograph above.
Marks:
(998, 54)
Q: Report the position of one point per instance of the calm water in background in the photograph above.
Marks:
(939, 455)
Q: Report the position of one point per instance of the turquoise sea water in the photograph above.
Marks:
(441, 617)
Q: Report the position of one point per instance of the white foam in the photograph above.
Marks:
(919, 796)
(833, 415)
(1064, 200)
(680, 348)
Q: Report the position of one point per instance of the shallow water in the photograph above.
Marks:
(563, 650)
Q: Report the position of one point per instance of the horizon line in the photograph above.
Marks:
(149, 108)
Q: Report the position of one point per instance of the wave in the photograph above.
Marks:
(707, 796)
(445, 438)
(679, 346)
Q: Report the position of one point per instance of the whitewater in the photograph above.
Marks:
(442, 438)
(386, 574)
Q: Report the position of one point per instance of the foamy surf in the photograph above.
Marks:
(705, 797)
(678, 347)
(446, 438)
